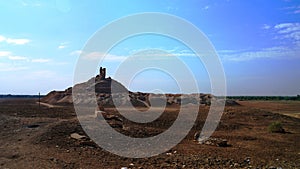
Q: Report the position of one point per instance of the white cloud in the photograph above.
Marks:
(151, 54)
(293, 9)
(9, 55)
(108, 57)
(293, 35)
(76, 53)
(6, 67)
(17, 58)
(170, 8)
(283, 25)
(158, 52)
(16, 41)
(5, 53)
(63, 45)
(30, 3)
(40, 60)
(287, 27)
(206, 7)
(2, 38)
(278, 52)
(266, 27)
(288, 31)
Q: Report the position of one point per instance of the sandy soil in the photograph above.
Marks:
(289, 108)
(39, 137)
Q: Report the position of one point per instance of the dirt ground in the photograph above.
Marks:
(34, 136)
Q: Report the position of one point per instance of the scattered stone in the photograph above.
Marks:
(33, 126)
(214, 142)
(247, 160)
(77, 136)
(196, 136)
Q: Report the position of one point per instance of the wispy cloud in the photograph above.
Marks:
(287, 27)
(16, 41)
(279, 52)
(63, 45)
(266, 26)
(171, 8)
(206, 7)
(10, 56)
(98, 55)
(17, 58)
(293, 9)
(152, 54)
(288, 31)
(31, 3)
(5, 53)
(7, 67)
(40, 60)
(160, 52)
(76, 53)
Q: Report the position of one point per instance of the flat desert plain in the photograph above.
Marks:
(45, 136)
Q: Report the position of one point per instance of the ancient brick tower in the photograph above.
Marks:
(102, 73)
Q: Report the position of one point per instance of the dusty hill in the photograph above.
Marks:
(102, 87)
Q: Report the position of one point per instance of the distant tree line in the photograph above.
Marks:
(264, 97)
(19, 96)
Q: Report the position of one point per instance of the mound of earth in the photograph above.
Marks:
(110, 93)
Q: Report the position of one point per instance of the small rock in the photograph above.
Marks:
(247, 160)
(196, 136)
(77, 136)
(236, 165)
(222, 143)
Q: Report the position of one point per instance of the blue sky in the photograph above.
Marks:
(258, 43)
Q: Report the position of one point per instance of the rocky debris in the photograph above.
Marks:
(232, 103)
(113, 120)
(111, 93)
(77, 136)
(196, 136)
(206, 99)
(247, 160)
(214, 142)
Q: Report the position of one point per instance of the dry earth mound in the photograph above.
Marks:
(110, 92)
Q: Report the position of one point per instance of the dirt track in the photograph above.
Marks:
(33, 137)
